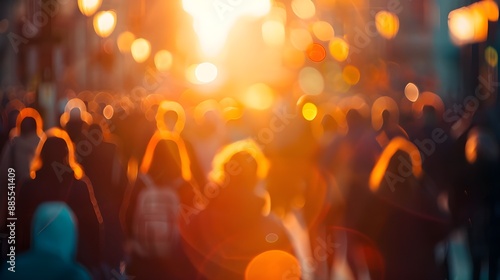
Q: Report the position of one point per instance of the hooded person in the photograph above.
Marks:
(57, 177)
(53, 251)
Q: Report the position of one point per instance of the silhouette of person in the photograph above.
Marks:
(57, 177)
(53, 250)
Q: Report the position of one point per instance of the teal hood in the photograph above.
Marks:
(54, 230)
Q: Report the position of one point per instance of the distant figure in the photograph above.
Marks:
(53, 250)
(57, 177)
(21, 149)
(402, 214)
(18, 153)
(236, 224)
(151, 212)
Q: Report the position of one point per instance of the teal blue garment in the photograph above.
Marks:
(52, 255)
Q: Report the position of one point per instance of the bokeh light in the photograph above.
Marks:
(339, 49)
(311, 81)
(140, 49)
(206, 72)
(351, 74)
(323, 31)
(461, 25)
(316, 52)
(273, 264)
(303, 9)
(163, 60)
(89, 7)
(491, 56)
(108, 112)
(104, 23)
(411, 92)
(309, 111)
(124, 41)
(387, 24)
(258, 96)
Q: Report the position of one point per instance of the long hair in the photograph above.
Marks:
(37, 162)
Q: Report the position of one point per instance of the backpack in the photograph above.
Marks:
(155, 228)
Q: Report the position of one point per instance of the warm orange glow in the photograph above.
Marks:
(206, 72)
(471, 146)
(273, 264)
(163, 60)
(203, 108)
(387, 24)
(29, 112)
(273, 33)
(480, 17)
(258, 96)
(323, 31)
(351, 74)
(309, 111)
(36, 164)
(316, 52)
(300, 38)
(218, 173)
(132, 170)
(411, 92)
(213, 20)
(461, 25)
(428, 98)
(311, 81)
(396, 144)
(108, 112)
(303, 9)
(356, 102)
(379, 106)
(174, 136)
(170, 106)
(293, 58)
(140, 49)
(75, 103)
(124, 41)
(104, 23)
(89, 7)
(490, 8)
(339, 49)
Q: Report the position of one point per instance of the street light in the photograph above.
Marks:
(89, 7)
(104, 23)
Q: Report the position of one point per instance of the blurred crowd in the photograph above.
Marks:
(349, 187)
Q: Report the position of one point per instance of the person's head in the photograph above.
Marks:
(54, 230)
(54, 150)
(241, 163)
(28, 122)
(166, 162)
(28, 126)
(55, 153)
(166, 158)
